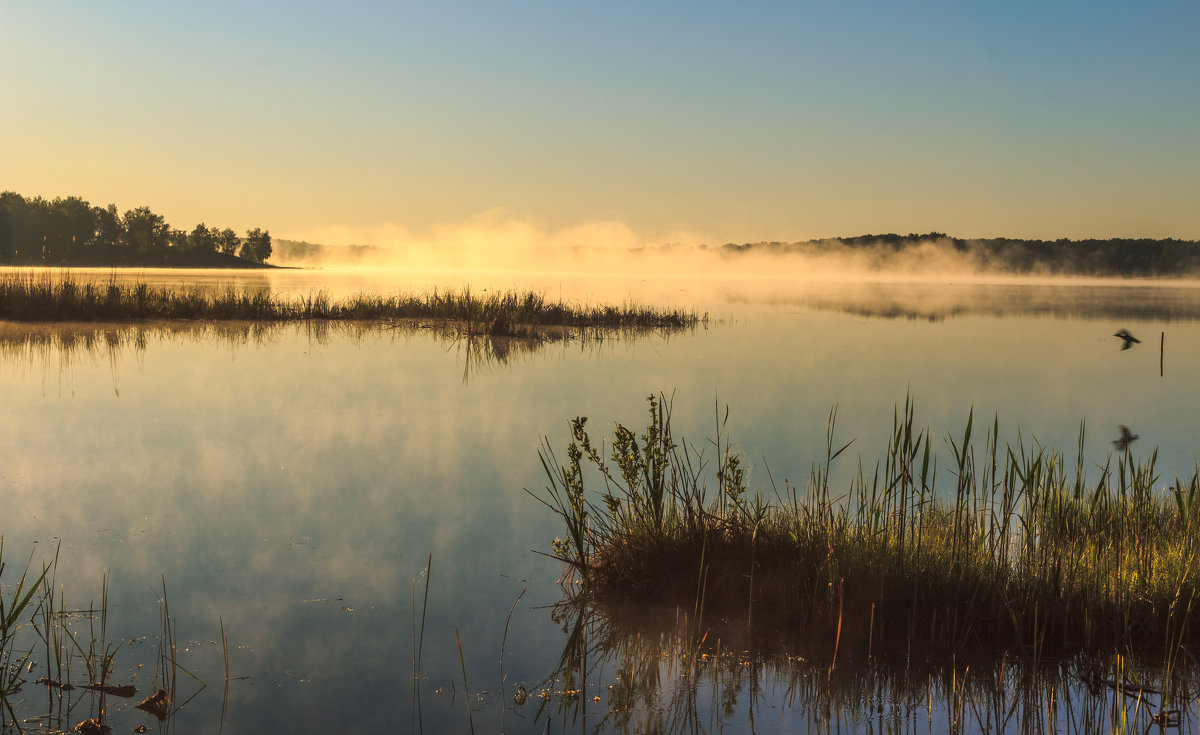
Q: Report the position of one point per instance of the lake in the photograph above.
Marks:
(343, 500)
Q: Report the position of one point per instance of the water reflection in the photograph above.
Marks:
(655, 670)
(57, 348)
(1063, 300)
(293, 480)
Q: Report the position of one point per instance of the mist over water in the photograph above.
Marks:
(500, 241)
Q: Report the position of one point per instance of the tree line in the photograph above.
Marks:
(70, 231)
(1139, 257)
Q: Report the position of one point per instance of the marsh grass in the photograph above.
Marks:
(13, 607)
(43, 297)
(1024, 553)
(73, 651)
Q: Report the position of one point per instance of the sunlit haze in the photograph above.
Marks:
(502, 126)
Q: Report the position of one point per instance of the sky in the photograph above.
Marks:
(644, 122)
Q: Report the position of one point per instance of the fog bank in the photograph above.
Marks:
(499, 241)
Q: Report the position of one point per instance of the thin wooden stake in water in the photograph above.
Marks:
(1162, 342)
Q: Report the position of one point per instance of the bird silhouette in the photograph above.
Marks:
(1130, 340)
(1126, 439)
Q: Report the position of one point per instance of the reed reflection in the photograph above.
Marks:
(59, 348)
(642, 669)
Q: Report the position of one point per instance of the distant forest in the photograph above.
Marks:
(301, 252)
(70, 231)
(1114, 257)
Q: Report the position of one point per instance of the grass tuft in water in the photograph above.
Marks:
(1022, 553)
(44, 297)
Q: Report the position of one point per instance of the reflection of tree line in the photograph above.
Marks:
(645, 669)
(937, 302)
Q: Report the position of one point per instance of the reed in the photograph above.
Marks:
(466, 684)
(418, 646)
(72, 650)
(44, 297)
(24, 596)
(1023, 553)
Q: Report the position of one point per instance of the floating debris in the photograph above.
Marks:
(157, 704)
(93, 727)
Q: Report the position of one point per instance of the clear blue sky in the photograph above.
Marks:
(710, 121)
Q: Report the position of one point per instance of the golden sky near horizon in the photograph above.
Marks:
(382, 123)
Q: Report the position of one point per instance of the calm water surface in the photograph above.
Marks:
(292, 483)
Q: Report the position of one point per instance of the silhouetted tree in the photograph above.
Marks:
(202, 239)
(109, 230)
(145, 232)
(228, 241)
(5, 235)
(11, 204)
(179, 240)
(59, 230)
(257, 246)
